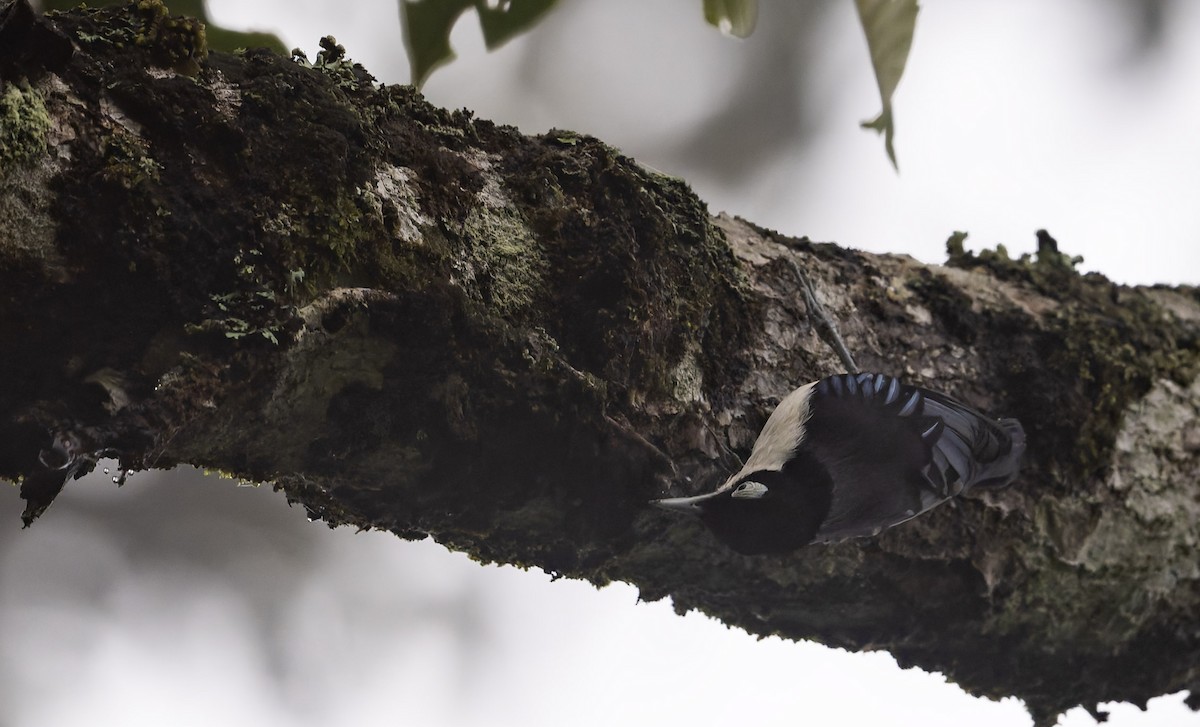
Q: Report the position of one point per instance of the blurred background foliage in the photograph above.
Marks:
(219, 38)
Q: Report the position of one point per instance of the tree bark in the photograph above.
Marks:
(412, 320)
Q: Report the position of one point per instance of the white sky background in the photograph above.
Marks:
(181, 601)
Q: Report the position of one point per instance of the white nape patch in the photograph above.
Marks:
(781, 435)
(749, 491)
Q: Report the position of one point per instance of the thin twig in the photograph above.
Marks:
(824, 324)
(721, 443)
(655, 453)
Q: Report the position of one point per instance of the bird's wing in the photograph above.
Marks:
(894, 451)
(975, 450)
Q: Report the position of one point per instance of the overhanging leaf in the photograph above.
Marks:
(507, 18)
(427, 26)
(888, 25)
(733, 17)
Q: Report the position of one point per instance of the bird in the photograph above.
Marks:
(849, 456)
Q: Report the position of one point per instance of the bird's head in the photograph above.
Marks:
(758, 512)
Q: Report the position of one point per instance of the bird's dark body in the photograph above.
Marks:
(851, 455)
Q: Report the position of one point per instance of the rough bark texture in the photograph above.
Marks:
(412, 320)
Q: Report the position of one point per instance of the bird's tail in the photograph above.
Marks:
(1002, 470)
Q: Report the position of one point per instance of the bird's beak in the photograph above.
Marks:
(688, 505)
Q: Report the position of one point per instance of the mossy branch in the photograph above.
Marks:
(413, 320)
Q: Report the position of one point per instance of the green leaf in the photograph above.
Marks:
(888, 25)
(216, 37)
(427, 25)
(732, 17)
(503, 19)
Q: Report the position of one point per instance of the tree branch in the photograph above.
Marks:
(412, 320)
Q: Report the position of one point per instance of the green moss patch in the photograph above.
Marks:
(24, 124)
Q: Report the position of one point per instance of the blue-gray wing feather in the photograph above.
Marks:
(895, 451)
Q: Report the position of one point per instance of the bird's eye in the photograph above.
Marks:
(749, 491)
